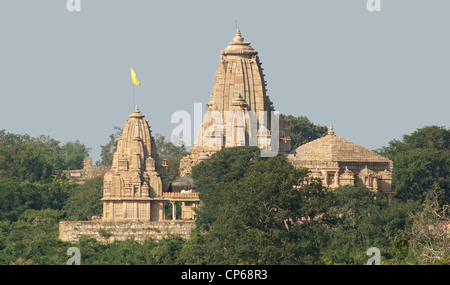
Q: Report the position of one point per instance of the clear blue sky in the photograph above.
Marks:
(374, 75)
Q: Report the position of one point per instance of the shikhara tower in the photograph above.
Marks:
(239, 111)
(136, 179)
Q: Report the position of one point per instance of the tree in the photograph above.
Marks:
(85, 200)
(17, 197)
(302, 130)
(429, 238)
(108, 150)
(429, 137)
(74, 154)
(252, 210)
(173, 152)
(38, 159)
(212, 175)
(358, 219)
(421, 163)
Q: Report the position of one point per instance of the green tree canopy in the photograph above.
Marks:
(108, 150)
(85, 200)
(173, 151)
(38, 158)
(252, 210)
(212, 175)
(302, 130)
(421, 163)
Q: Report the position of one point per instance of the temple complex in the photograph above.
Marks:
(337, 161)
(136, 194)
(239, 112)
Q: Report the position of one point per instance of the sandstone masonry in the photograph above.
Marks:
(72, 231)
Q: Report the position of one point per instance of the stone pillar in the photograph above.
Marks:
(87, 164)
(174, 210)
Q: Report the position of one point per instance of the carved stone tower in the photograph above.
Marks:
(133, 187)
(239, 111)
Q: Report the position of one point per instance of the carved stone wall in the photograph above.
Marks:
(72, 231)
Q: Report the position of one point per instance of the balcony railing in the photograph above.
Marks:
(178, 195)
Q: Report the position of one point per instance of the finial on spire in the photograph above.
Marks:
(137, 113)
(330, 130)
(238, 37)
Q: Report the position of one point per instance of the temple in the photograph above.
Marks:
(337, 161)
(239, 112)
(135, 186)
(135, 194)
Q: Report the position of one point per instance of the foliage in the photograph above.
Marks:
(85, 200)
(358, 219)
(421, 163)
(212, 175)
(17, 197)
(74, 154)
(429, 236)
(302, 130)
(33, 239)
(37, 159)
(254, 210)
(108, 150)
(429, 137)
(173, 152)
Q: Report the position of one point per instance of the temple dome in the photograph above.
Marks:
(332, 148)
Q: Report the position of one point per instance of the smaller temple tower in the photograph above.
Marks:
(133, 187)
(135, 196)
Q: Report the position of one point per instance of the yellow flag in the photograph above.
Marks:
(133, 78)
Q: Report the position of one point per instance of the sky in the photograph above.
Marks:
(374, 75)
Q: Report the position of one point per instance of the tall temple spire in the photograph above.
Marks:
(239, 87)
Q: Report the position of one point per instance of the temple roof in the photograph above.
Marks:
(135, 140)
(183, 183)
(335, 149)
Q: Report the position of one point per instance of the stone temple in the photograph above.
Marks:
(239, 111)
(135, 194)
(337, 161)
(136, 178)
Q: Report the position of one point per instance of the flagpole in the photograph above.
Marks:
(134, 98)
